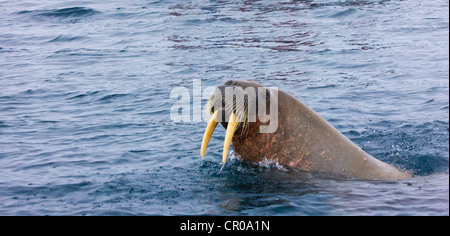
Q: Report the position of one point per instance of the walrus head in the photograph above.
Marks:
(240, 106)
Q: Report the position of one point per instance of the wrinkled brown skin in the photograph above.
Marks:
(307, 142)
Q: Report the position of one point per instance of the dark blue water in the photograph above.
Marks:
(85, 124)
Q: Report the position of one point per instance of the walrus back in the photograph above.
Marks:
(314, 145)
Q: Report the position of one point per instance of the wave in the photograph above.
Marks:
(65, 38)
(71, 13)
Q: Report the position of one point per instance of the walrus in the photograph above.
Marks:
(302, 139)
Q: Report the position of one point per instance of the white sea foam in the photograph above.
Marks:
(271, 163)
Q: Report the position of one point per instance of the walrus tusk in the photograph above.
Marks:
(231, 128)
(208, 132)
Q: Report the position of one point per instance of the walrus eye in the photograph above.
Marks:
(212, 124)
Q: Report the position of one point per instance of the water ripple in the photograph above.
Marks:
(85, 124)
(71, 12)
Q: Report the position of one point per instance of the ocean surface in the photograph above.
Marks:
(85, 126)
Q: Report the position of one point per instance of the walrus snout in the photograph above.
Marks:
(233, 104)
(234, 96)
